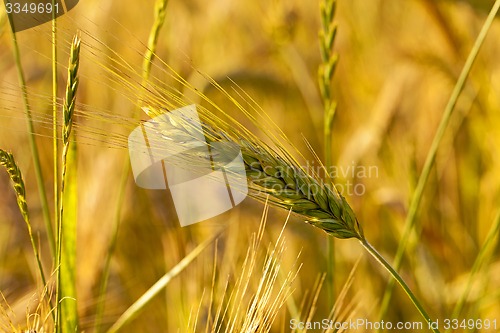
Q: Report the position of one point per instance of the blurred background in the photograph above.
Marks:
(399, 61)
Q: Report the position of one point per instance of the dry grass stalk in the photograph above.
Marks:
(247, 306)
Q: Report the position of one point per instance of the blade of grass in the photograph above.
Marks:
(411, 218)
(141, 303)
(34, 149)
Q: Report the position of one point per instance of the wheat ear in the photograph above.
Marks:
(7, 160)
(321, 205)
(327, 68)
(273, 175)
(69, 107)
(71, 88)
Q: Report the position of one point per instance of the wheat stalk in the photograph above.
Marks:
(318, 204)
(325, 76)
(69, 108)
(55, 121)
(68, 111)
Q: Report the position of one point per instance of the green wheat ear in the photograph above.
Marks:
(7, 160)
(319, 204)
(71, 88)
(278, 179)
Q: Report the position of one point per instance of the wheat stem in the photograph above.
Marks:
(381, 260)
(34, 149)
(68, 111)
(325, 76)
(411, 218)
(55, 134)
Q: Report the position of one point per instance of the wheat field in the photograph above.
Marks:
(415, 167)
